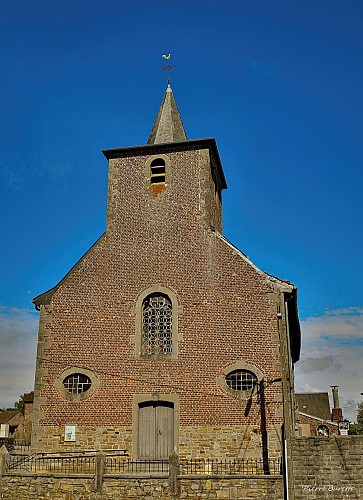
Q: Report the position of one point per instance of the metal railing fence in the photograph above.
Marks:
(14, 445)
(61, 464)
(121, 465)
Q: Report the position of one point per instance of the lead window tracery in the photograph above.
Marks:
(157, 325)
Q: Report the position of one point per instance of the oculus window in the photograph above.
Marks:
(241, 380)
(322, 430)
(77, 383)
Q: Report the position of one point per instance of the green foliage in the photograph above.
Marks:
(360, 413)
(20, 405)
(355, 429)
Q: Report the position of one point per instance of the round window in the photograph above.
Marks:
(77, 383)
(241, 380)
(322, 430)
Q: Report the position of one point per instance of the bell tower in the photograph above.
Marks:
(169, 178)
(164, 336)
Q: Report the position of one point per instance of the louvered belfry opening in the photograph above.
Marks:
(157, 168)
(157, 324)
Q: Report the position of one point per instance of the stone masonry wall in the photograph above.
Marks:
(194, 441)
(328, 468)
(44, 488)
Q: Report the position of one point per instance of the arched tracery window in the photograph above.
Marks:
(157, 325)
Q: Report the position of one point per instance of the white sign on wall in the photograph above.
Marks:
(343, 428)
(70, 432)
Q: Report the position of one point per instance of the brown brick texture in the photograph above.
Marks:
(228, 307)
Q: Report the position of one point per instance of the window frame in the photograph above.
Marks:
(162, 330)
(72, 396)
(322, 426)
(156, 188)
(237, 366)
(137, 311)
(239, 380)
(78, 384)
(154, 176)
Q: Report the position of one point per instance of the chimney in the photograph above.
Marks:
(336, 414)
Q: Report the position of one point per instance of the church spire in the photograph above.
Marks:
(168, 126)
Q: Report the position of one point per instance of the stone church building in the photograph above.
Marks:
(164, 336)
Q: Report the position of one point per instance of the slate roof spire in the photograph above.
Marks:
(168, 126)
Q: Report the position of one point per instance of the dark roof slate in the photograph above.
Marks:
(168, 126)
(7, 415)
(315, 404)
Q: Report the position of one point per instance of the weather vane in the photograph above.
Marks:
(168, 67)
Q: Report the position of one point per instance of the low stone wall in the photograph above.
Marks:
(202, 487)
(328, 467)
(51, 439)
(194, 441)
(227, 441)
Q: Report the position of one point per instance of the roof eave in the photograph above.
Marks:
(208, 142)
(328, 421)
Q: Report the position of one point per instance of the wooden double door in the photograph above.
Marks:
(156, 430)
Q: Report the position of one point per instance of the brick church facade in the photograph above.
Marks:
(164, 336)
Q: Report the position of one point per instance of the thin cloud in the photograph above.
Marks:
(18, 339)
(330, 363)
(345, 311)
(331, 354)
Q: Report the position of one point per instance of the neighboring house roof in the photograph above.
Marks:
(318, 419)
(314, 404)
(7, 416)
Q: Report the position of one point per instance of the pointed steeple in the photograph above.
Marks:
(168, 126)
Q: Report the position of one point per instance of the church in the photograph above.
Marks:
(164, 337)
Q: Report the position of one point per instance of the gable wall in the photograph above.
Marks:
(228, 313)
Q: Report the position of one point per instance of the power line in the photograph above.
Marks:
(162, 384)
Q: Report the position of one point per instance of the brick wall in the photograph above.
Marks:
(228, 313)
(328, 468)
(313, 423)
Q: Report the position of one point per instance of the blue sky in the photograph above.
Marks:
(279, 86)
